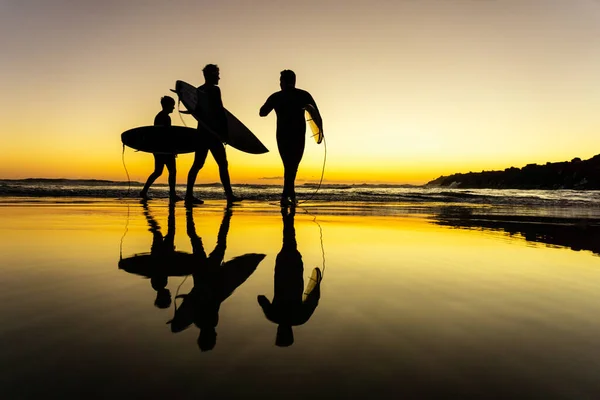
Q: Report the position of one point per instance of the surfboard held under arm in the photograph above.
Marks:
(315, 122)
(162, 139)
(239, 136)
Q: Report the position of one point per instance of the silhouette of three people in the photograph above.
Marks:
(289, 104)
(214, 280)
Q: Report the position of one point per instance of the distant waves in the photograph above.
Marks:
(327, 193)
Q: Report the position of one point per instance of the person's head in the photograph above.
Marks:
(207, 339)
(287, 79)
(285, 336)
(211, 74)
(163, 298)
(167, 103)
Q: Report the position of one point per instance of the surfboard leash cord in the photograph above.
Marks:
(124, 234)
(177, 296)
(179, 111)
(181, 117)
(126, 172)
(322, 173)
(321, 239)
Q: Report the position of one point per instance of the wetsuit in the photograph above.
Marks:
(213, 114)
(289, 106)
(162, 160)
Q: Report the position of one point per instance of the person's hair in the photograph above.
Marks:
(210, 69)
(167, 101)
(288, 76)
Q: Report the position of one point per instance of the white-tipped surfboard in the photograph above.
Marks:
(240, 137)
(162, 139)
(315, 122)
(313, 282)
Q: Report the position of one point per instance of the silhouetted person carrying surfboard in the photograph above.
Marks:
(162, 160)
(289, 105)
(213, 115)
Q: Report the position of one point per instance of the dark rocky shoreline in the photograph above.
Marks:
(575, 174)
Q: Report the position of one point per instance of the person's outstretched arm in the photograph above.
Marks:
(267, 107)
(267, 308)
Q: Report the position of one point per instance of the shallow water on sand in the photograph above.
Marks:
(412, 304)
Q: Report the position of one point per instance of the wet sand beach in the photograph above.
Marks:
(117, 298)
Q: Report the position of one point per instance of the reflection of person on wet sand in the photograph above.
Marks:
(214, 282)
(162, 261)
(288, 308)
(161, 250)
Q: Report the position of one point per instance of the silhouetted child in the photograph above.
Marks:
(160, 160)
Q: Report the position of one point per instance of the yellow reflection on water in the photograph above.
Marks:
(401, 296)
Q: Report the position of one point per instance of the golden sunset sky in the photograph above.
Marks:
(408, 89)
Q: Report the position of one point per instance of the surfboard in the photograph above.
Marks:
(162, 139)
(177, 263)
(315, 122)
(313, 282)
(240, 137)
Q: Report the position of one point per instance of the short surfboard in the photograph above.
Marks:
(162, 139)
(315, 122)
(240, 137)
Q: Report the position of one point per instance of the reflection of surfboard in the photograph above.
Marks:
(315, 122)
(240, 137)
(213, 288)
(315, 279)
(161, 139)
(177, 263)
(237, 270)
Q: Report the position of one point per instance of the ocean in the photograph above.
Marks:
(364, 193)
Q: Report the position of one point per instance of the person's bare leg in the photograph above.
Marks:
(172, 168)
(220, 156)
(199, 159)
(158, 170)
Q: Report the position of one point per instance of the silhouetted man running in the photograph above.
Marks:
(210, 108)
(160, 160)
(289, 106)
